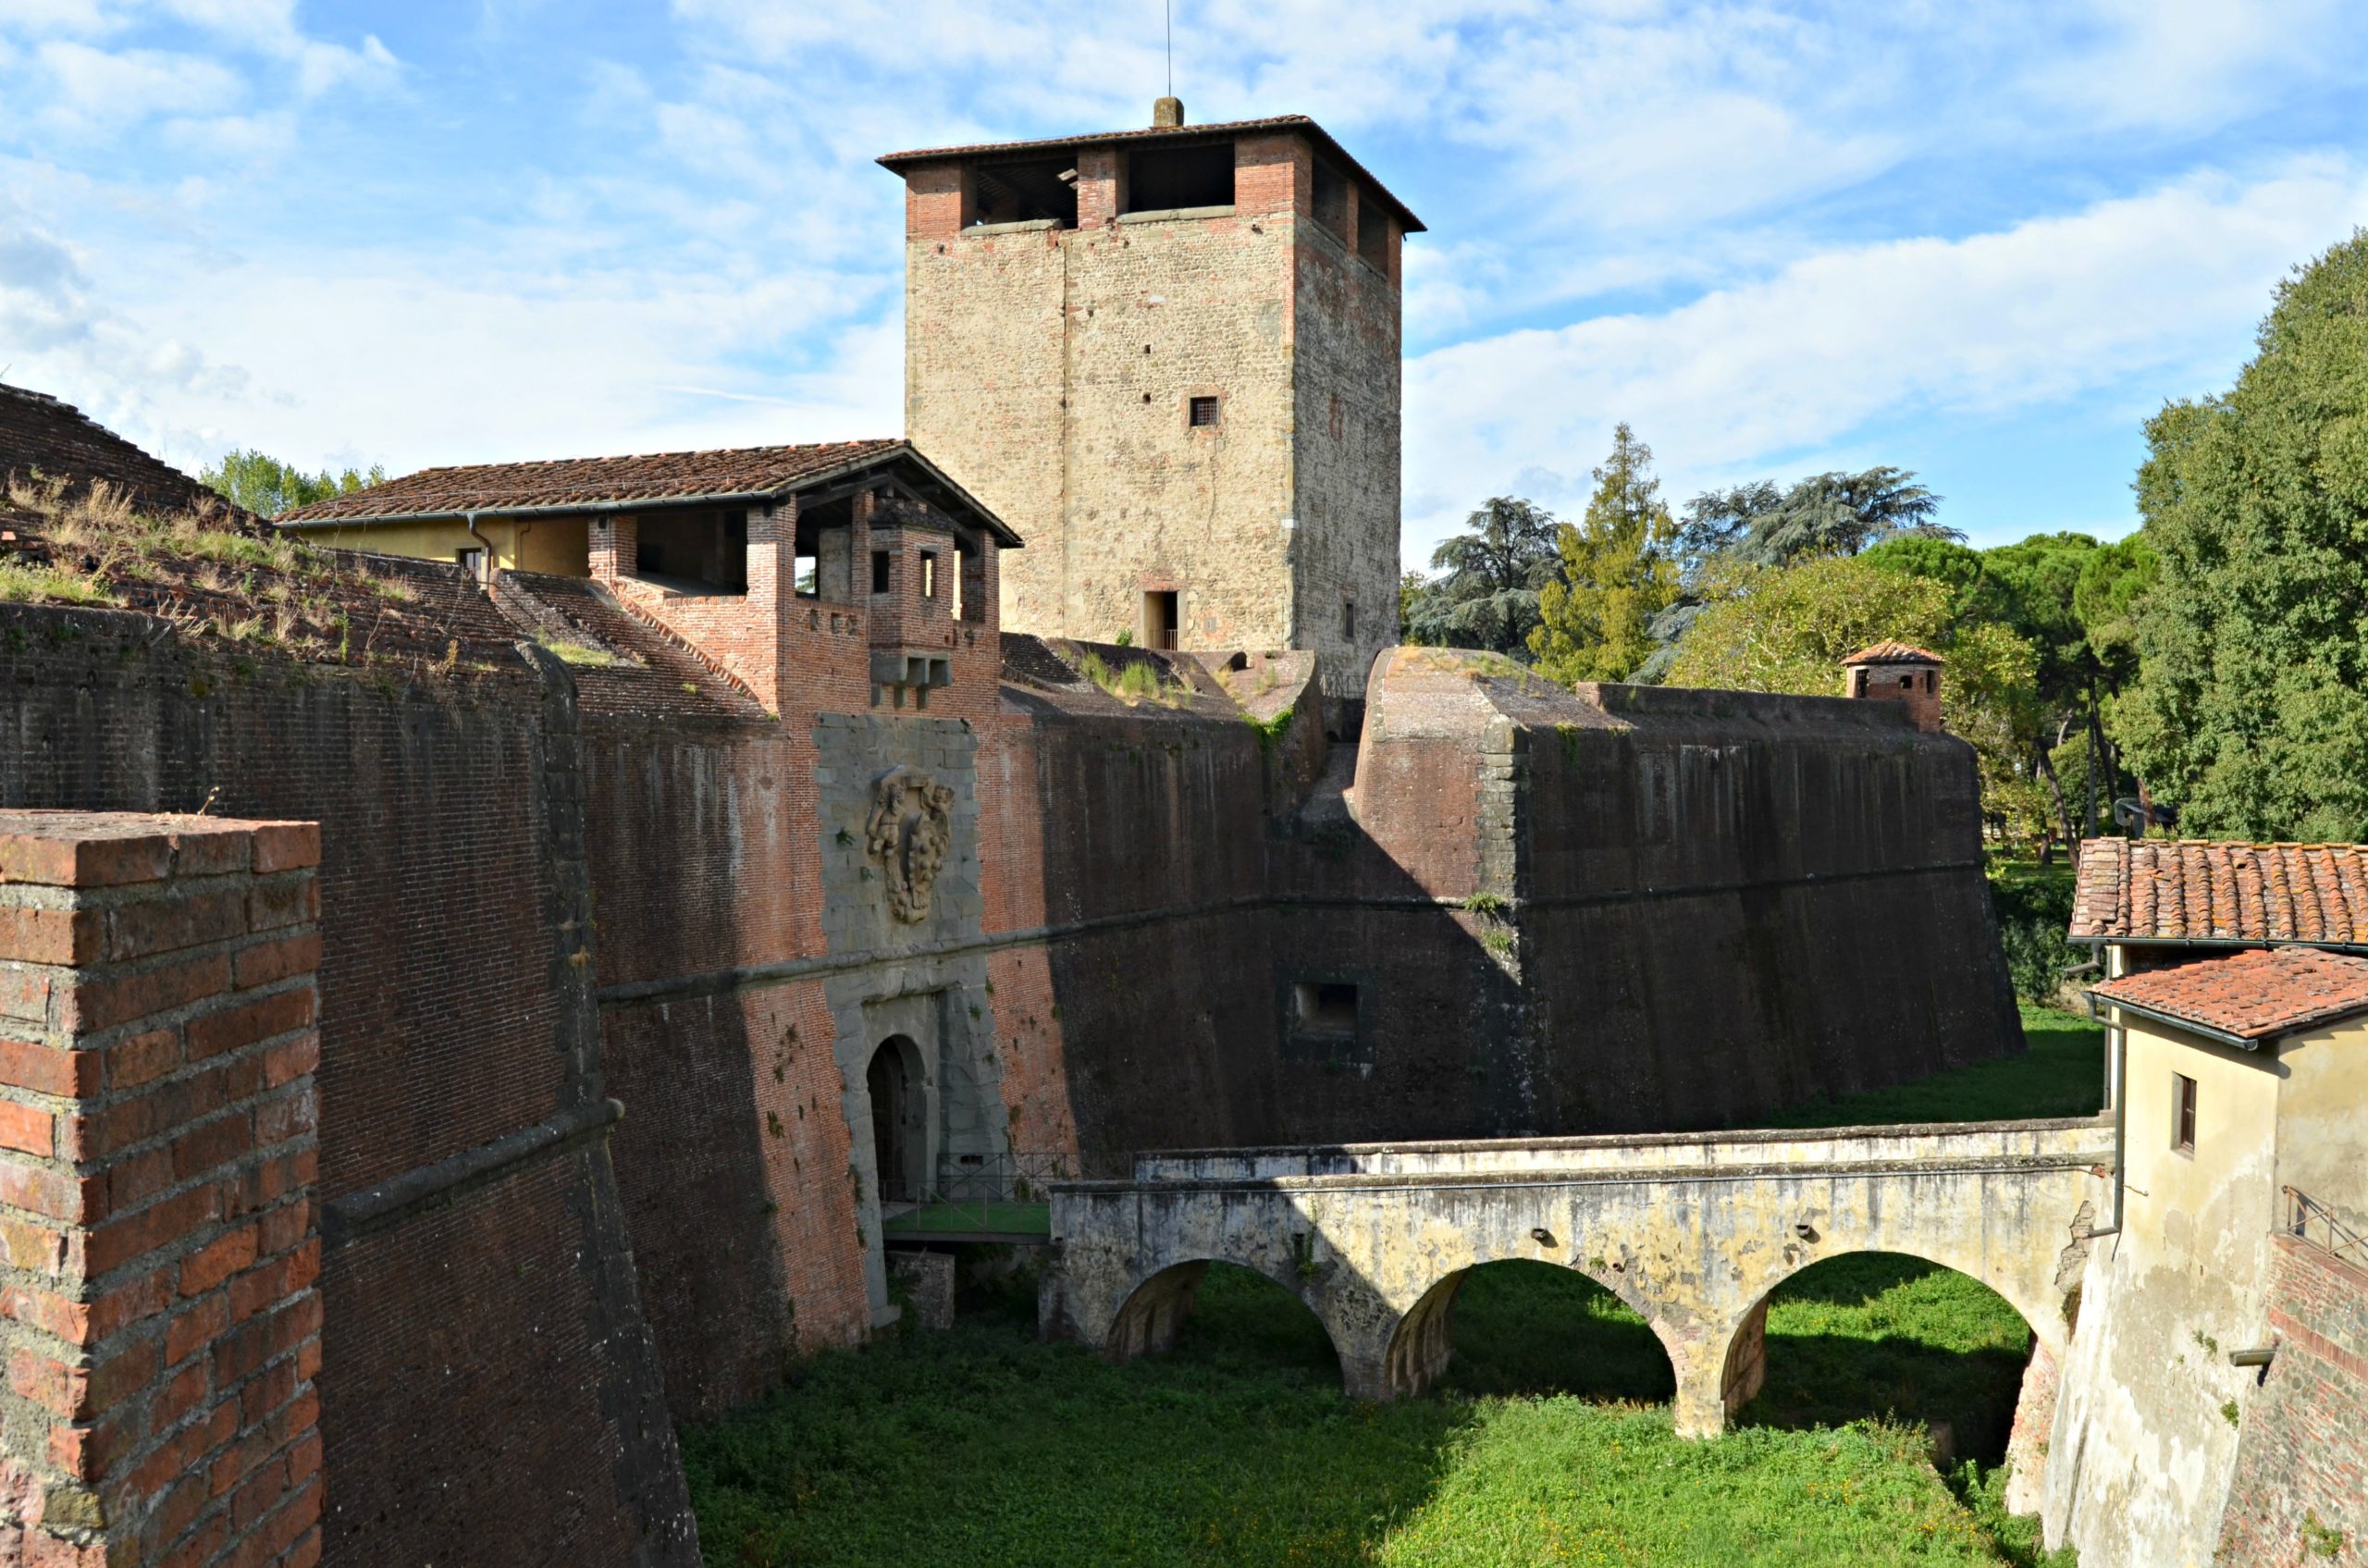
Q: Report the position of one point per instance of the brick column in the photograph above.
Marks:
(157, 1312)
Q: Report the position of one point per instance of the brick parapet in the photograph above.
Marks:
(158, 1159)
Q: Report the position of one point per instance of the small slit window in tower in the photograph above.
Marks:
(1203, 411)
(2182, 1113)
(1349, 618)
(883, 572)
(929, 573)
(1159, 619)
(1325, 1007)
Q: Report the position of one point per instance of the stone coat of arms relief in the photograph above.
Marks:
(910, 828)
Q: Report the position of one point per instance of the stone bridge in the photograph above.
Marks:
(1691, 1230)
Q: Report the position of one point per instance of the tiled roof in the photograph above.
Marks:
(1895, 653)
(2251, 996)
(583, 481)
(899, 162)
(2192, 890)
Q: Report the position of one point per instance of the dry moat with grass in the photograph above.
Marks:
(1551, 1444)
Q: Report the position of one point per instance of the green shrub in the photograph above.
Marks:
(2034, 910)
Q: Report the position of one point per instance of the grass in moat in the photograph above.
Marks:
(1549, 1442)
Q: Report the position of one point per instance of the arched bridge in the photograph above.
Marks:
(1693, 1231)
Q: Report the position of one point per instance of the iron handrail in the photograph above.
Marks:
(967, 1191)
(2341, 1240)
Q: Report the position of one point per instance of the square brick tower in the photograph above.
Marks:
(1169, 358)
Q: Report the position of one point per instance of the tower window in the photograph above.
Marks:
(1349, 618)
(1373, 229)
(1203, 411)
(2182, 1113)
(929, 573)
(1328, 192)
(1160, 180)
(883, 571)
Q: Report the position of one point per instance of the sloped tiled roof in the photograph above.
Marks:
(2251, 996)
(745, 471)
(899, 162)
(1895, 653)
(2195, 890)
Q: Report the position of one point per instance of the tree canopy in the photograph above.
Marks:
(268, 486)
(1617, 573)
(2248, 705)
(1491, 575)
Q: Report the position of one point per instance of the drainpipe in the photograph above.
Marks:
(469, 519)
(2120, 1123)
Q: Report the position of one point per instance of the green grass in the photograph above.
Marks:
(1549, 1443)
(2061, 1075)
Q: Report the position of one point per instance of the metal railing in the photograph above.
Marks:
(2334, 1235)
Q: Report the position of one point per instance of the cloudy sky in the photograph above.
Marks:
(1982, 241)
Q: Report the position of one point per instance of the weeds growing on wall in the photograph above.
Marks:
(210, 580)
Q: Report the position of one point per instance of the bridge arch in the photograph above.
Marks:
(1152, 1316)
(2019, 1437)
(1422, 1344)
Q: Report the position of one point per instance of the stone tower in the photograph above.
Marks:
(1169, 358)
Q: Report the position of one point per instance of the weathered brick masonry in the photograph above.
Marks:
(2299, 1492)
(158, 1159)
(487, 1389)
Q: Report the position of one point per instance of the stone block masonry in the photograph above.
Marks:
(158, 1317)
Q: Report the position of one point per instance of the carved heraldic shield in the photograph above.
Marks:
(909, 830)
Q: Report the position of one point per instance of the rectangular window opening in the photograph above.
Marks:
(1325, 1007)
(1029, 191)
(695, 552)
(929, 573)
(1203, 411)
(969, 579)
(883, 572)
(1159, 619)
(471, 561)
(1373, 229)
(2182, 1113)
(1163, 179)
(1349, 618)
(1328, 194)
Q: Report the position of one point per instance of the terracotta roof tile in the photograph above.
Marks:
(2252, 995)
(585, 481)
(2194, 890)
(1895, 653)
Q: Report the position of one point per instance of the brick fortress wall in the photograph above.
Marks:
(2299, 1490)
(485, 1373)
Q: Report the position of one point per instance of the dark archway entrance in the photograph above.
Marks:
(895, 1101)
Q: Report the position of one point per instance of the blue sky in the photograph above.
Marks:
(1982, 241)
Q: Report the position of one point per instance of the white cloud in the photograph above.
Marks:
(2163, 287)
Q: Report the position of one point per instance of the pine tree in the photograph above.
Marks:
(1617, 573)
